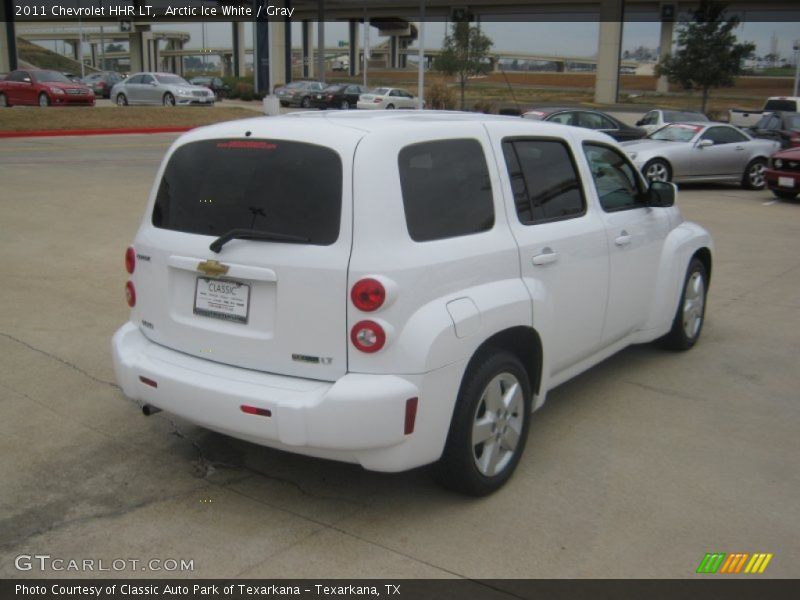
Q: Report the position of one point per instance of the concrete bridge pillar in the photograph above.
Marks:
(136, 45)
(354, 52)
(8, 37)
(307, 54)
(665, 46)
(238, 49)
(606, 80)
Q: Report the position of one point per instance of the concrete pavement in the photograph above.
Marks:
(635, 469)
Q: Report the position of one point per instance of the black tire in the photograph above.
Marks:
(390, 107)
(44, 100)
(782, 194)
(305, 102)
(4, 103)
(460, 468)
(122, 100)
(753, 178)
(168, 100)
(657, 170)
(683, 336)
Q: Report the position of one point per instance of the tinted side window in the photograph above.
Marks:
(17, 76)
(723, 135)
(136, 79)
(446, 189)
(563, 118)
(615, 179)
(594, 121)
(787, 105)
(544, 180)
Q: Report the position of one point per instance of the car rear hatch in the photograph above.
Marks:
(273, 297)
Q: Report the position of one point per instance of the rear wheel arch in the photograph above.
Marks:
(521, 341)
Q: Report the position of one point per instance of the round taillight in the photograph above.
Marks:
(368, 294)
(368, 336)
(130, 294)
(130, 259)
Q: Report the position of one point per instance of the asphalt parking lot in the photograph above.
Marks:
(635, 469)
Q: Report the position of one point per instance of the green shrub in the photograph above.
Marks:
(438, 96)
(243, 90)
(483, 106)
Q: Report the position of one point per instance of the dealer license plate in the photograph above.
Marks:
(786, 182)
(222, 299)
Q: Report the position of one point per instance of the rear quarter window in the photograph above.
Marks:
(446, 189)
(213, 186)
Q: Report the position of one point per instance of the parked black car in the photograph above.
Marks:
(588, 119)
(215, 84)
(340, 95)
(101, 83)
(783, 127)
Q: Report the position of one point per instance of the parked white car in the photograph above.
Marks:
(275, 297)
(656, 119)
(387, 98)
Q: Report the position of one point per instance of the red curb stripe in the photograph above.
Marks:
(65, 132)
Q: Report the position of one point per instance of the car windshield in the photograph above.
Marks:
(171, 80)
(51, 77)
(294, 85)
(675, 116)
(793, 122)
(676, 133)
(201, 80)
(380, 91)
(331, 89)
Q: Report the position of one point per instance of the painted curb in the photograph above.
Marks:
(72, 132)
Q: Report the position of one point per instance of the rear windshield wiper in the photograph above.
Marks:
(254, 234)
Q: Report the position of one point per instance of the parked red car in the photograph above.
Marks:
(783, 173)
(43, 87)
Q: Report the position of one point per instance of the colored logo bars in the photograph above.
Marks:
(719, 562)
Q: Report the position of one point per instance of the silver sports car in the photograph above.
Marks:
(159, 88)
(684, 152)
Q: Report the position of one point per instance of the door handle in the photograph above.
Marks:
(546, 257)
(739, 148)
(623, 239)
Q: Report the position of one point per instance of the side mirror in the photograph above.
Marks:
(661, 194)
(704, 143)
(154, 83)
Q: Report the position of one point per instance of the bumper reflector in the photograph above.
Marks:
(253, 410)
(411, 415)
(148, 381)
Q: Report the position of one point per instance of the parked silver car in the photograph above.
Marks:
(684, 152)
(159, 88)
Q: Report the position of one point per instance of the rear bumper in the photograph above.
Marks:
(358, 418)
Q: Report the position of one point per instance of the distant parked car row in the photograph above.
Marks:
(314, 94)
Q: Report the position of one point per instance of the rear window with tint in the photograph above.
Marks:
(446, 189)
(290, 188)
(781, 104)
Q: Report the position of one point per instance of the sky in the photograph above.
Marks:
(562, 39)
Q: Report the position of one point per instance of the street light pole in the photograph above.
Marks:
(796, 48)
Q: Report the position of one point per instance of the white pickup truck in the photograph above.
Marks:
(748, 118)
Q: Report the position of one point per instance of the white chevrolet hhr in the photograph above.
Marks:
(396, 289)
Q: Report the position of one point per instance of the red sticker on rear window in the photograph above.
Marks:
(247, 145)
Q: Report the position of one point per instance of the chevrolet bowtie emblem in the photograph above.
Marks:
(212, 268)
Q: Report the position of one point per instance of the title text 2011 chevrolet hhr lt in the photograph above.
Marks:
(397, 289)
